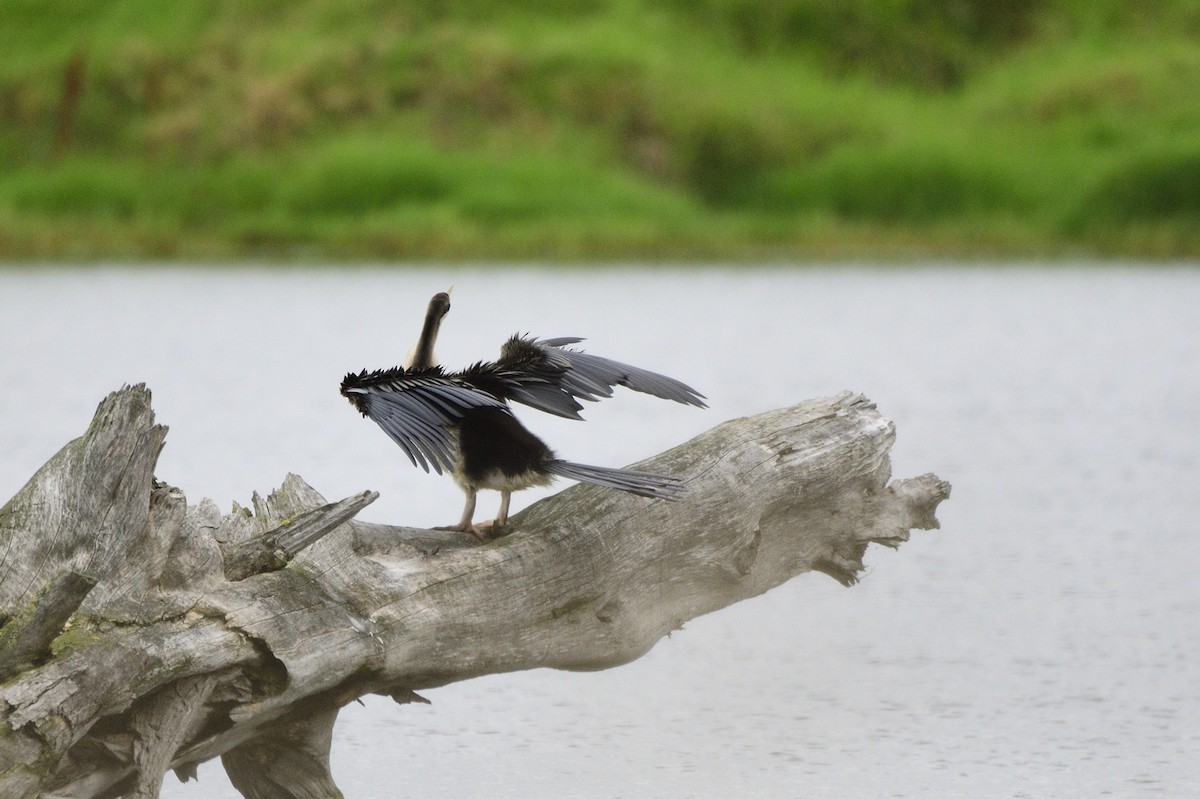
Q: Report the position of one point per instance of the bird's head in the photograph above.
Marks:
(439, 305)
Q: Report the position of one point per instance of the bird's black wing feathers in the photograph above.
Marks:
(528, 373)
(550, 377)
(589, 371)
(416, 409)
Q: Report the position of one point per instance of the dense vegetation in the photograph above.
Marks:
(599, 128)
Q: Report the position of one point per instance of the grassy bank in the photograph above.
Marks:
(599, 128)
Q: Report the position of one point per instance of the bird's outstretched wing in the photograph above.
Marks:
(417, 408)
(546, 375)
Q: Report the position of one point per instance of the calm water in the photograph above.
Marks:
(1044, 643)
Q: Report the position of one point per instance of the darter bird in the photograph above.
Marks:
(461, 422)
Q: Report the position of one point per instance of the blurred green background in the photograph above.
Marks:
(567, 129)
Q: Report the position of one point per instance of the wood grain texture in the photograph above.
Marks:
(241, 635)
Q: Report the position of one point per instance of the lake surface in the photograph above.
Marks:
(1044, 643)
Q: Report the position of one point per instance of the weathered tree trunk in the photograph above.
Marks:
(139, 634)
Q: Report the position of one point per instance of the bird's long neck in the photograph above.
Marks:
(421, 356)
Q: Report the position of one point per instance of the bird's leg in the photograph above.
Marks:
(464, 524)
(501, 516)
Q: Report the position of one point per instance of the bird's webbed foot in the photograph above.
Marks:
(493, 528)
(473, 529)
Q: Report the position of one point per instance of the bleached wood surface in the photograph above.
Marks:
(193, 635)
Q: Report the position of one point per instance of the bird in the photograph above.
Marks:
(461, 423)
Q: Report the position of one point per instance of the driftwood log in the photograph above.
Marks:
(139, 634)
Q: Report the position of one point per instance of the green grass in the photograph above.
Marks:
(599, 128)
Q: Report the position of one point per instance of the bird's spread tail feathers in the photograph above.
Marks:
(645, 484)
